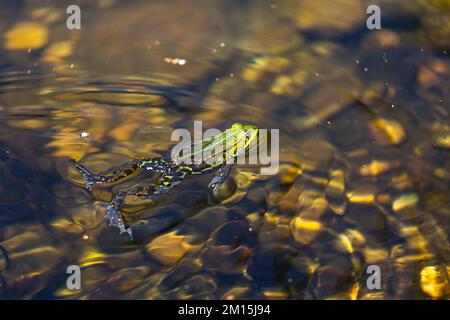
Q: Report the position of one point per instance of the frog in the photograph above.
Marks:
(171, 170)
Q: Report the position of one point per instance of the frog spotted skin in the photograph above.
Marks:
(171, 172)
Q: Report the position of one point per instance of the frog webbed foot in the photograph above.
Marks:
(115, 219)
(220, 177)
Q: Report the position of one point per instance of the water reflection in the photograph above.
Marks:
(364, 134)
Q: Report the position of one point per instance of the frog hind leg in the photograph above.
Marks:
(115, 219)
(113, 214)
(220, 177)
(167, 182)
(127, 170)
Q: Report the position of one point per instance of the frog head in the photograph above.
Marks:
(242, 137)
(247, 132)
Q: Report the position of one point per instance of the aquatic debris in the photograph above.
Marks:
(26, 35)
(176, 61)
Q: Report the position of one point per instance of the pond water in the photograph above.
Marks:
(364, 174)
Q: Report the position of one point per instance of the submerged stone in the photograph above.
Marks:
(440, 135)
(386, 131)
(26, 35)
(329, 18)
(434, 281)
(170, 247)
(405, 201)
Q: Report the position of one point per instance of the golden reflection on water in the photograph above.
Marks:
(364, 149)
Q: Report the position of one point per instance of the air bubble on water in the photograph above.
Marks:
(231, 75)
(366, 69)
(222, 44)
(84, 134)
(181, 62)
(329, 123)
(357, 61)
(392, 106)
(290, 280)
(72, 66)
(29, 50)
(28, 71)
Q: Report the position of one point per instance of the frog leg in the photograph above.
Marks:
(125, 171)
(167, 182)
(113, 214)
(220, 177)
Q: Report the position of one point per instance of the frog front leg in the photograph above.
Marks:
(220, 177)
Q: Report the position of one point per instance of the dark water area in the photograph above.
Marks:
(364, 126)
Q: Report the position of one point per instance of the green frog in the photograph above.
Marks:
(231, 143)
